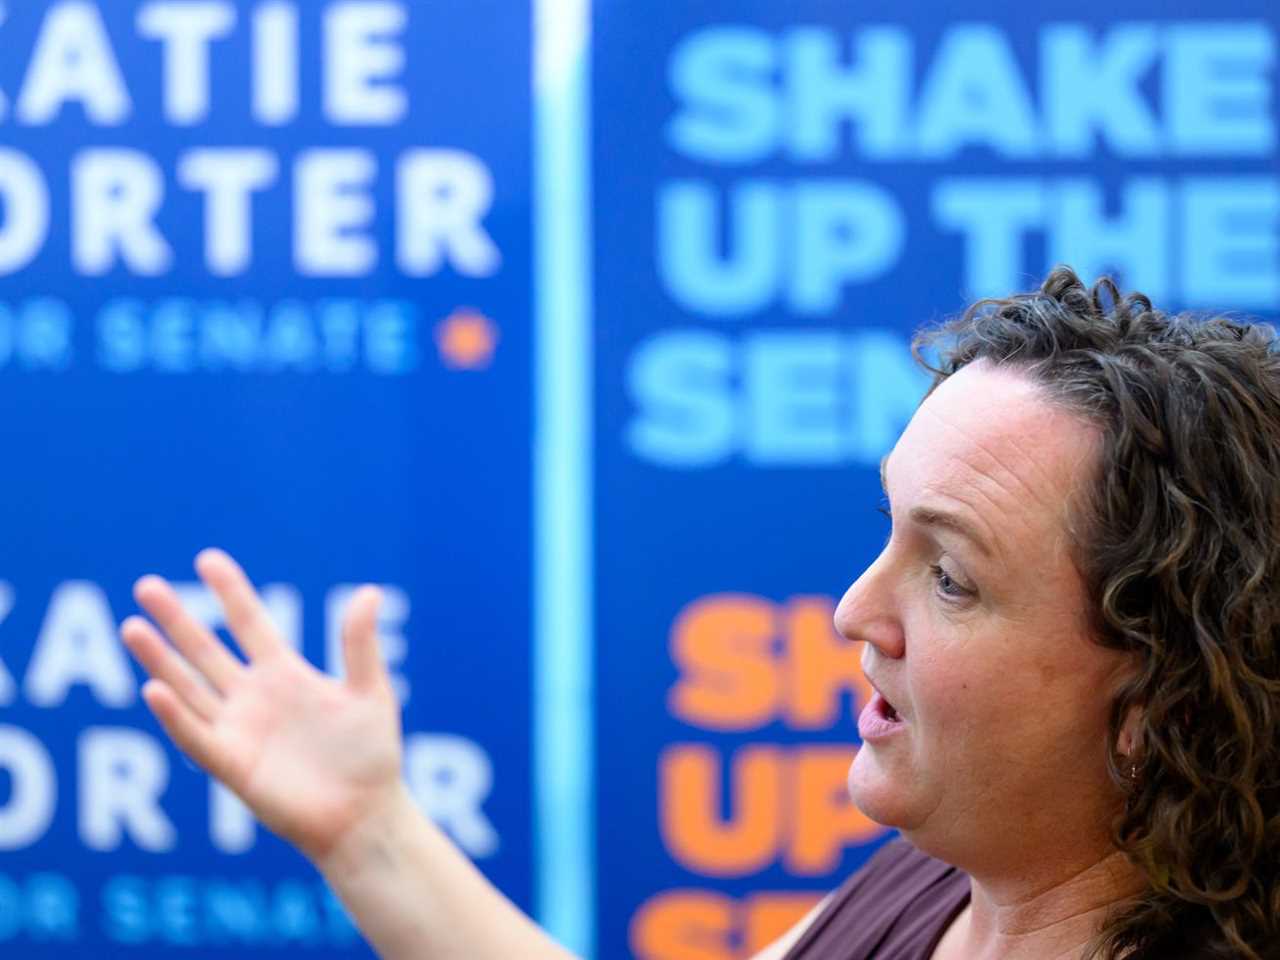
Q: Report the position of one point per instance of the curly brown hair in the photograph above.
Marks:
(1178, 544)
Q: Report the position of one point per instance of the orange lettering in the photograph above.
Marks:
(724, 647)
(822, 666)
(683, 925)
(689, 778)
(689, 924)
(825, 821)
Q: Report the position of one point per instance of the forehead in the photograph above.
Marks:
(987, 444)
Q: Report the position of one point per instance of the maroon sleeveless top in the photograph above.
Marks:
(898, 906)
(895, 908)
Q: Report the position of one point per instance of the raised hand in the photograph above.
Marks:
(309, 754)
(318, 760)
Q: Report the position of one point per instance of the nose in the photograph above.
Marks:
(869, 612)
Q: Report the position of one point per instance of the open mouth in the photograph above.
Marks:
(879, 718)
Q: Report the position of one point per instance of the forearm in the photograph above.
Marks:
(413, 894)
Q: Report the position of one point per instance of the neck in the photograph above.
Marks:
(1039, 913)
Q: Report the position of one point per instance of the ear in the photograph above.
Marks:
(1129, 743)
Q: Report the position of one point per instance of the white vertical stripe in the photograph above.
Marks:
(563, 740)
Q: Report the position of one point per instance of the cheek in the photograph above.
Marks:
(1009, 699)
(998, 681)
(953, 694)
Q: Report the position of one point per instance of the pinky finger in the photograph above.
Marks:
(185, 728)
(360, 639)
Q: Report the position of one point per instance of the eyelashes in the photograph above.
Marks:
(957, 592)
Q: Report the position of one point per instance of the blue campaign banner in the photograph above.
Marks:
(267, 282)
(782, 193)
(265, 276)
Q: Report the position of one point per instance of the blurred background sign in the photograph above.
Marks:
(783, 192)
(264, 284)
(317, 283)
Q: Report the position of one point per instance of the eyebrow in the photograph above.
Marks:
(930, 517)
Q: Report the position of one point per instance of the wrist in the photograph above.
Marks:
(374, 839)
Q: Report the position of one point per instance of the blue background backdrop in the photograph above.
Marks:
(718, 223)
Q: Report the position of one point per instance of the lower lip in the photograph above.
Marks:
(873, 724)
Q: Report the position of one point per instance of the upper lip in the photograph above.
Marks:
(875, 686)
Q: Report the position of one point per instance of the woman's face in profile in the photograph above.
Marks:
(974, 620)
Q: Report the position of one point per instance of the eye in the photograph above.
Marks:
(947, 585)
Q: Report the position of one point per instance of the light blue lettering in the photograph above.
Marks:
(122, 344)
(175, 903)
(235, 911)
(887, 387)
(679, 381)
(846, 231)
(172, 340)
(1093, 88)
(873, 93)
(126, 917)
(54, 905)
(179, 335)
(44, 334)
(779, 399)
(1231, 242)
(1134, 244)
(44, 906)
(122, 339)
(723, 79)
(229, 335)
(792, 398)
(1218, 90)
(340, 326)
(693, 269)
(993, 215)
(186, 911)
(390, 337)
(294, 913)
(974, 95)
(289, 342)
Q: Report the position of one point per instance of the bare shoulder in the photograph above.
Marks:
(778, 949)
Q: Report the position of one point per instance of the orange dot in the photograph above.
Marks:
(466, 339)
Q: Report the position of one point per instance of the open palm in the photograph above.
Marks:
(309, 754)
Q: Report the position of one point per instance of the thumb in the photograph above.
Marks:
(360, 653)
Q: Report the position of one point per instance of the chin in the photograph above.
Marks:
(876, 792)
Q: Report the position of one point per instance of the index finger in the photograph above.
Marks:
(198, 645)
(247, 616)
